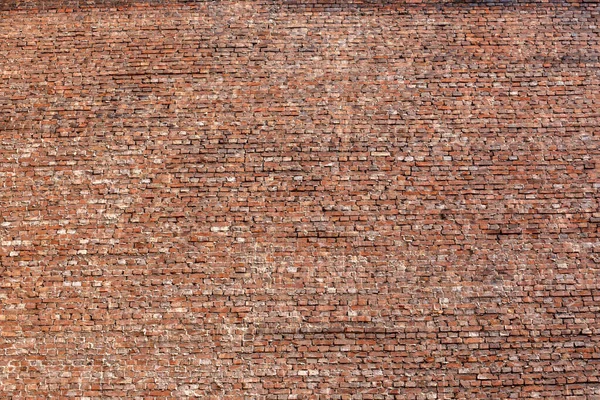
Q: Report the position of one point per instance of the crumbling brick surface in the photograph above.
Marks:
(285, 199)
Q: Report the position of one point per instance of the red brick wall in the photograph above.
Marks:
(285, 199)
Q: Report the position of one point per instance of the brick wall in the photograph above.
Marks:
(285, 199)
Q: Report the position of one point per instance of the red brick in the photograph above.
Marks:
(286, 199)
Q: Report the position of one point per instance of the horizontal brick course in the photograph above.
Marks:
(277, 199)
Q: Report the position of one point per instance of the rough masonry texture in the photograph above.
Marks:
(289, 199)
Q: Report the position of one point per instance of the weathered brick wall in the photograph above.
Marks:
(281, 199)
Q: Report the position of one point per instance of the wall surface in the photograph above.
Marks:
(287, 199)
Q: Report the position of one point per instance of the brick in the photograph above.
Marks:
(287, 199)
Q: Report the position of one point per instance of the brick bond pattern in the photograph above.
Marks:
(283, 199)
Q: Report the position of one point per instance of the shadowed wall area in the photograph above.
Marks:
(279, 200)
